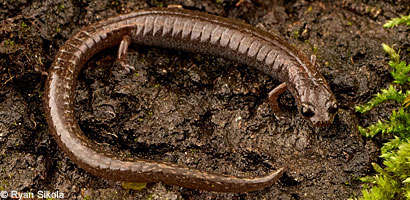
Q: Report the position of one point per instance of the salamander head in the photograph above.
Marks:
(316, 102)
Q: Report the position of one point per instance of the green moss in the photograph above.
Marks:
(315, 49)
(391, 93)
(309, 9)
(133, 186)
(4, 184)
(149, 197)
(296, 34)
(24, 25)
(396, 21)
(391, 180)
(9, 43)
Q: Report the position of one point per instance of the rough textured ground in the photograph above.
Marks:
(203, 112)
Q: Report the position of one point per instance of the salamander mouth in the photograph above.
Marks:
(322, 123)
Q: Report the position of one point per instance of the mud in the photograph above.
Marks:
(203, 112)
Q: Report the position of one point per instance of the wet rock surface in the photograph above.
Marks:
(203, 112)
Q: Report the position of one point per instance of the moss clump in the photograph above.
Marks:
(391, 181)
(133, 186)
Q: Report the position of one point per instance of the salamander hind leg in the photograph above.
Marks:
(122, 53)
(273, 100)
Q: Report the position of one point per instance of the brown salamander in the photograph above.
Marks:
(188, 31)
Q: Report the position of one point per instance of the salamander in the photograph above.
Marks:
(186, 31)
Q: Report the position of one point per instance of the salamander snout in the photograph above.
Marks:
(319, 114)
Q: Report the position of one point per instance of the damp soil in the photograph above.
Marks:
(198, 111)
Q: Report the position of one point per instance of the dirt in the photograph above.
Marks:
(203, 112)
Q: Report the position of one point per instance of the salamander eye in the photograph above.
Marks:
(307, 111)
(333, 109)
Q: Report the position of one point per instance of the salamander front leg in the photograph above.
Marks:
(122, 53)
(273, 100)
